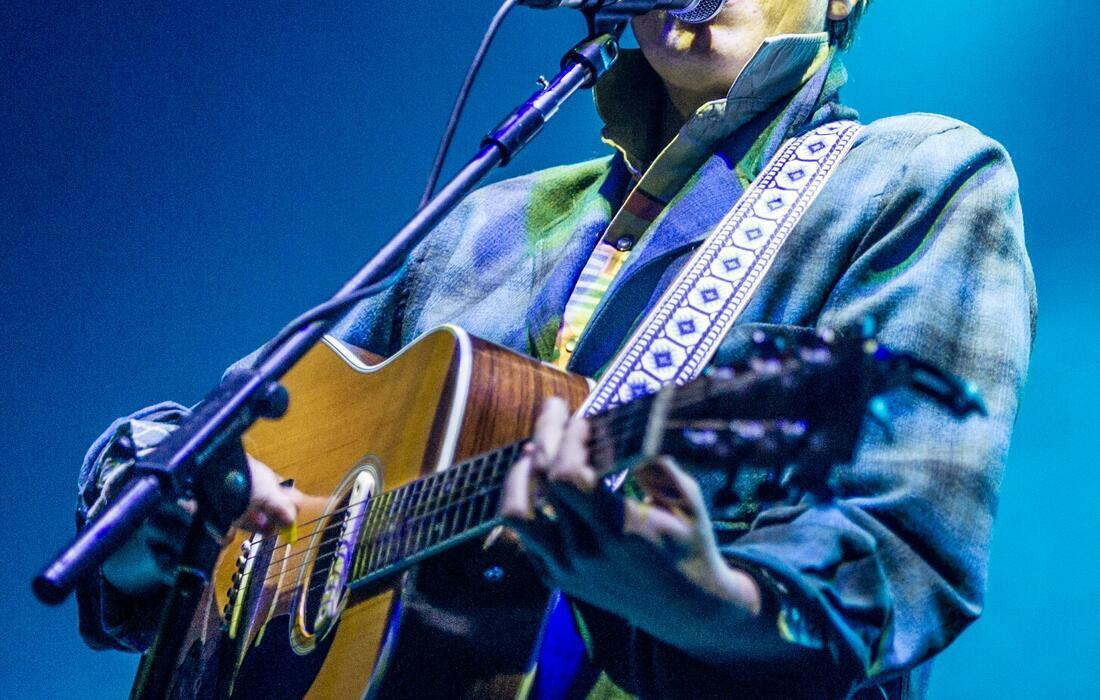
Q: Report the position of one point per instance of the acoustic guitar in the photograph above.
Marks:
(385, 587)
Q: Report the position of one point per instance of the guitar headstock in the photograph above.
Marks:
(793, 409)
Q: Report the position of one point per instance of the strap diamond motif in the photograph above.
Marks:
(677, 339)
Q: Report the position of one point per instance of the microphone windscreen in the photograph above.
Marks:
(702, 11)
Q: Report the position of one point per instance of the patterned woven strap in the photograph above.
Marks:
(677, 339)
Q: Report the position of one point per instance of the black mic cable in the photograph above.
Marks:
(689, 11)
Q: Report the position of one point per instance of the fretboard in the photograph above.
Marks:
(433, 514)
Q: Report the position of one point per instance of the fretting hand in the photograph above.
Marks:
(653, 562)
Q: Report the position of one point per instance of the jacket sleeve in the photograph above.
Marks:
(108, 618)
(111, 619)
(895, 567)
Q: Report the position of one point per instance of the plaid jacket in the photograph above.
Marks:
(919, 227)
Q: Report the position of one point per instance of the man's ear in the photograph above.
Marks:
(840, 9)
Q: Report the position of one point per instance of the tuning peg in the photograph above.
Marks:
(720, 372)
(767, 347)
(767, 353)
(816, 348)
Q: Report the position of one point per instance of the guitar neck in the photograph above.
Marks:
(426, 517)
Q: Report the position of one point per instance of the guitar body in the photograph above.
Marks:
(279, 621)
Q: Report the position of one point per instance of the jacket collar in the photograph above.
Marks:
(631, 99)
(701, 205)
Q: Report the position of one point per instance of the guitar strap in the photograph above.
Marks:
(679, 336)
(684, 329)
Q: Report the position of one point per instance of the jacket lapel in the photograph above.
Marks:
(562, 251)
(697, 210)
(686, 221)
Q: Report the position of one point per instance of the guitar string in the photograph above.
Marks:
(474, 474)
(403, 542)
(407, 542)
(625, 432)
(406, 547)
(456, 497)
(387, 533)
(407, 538)
(394, 493)
(433, 503)
(617, 428)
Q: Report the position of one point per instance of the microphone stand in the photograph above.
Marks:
(203, 458)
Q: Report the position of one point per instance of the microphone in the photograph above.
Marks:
(690, 11)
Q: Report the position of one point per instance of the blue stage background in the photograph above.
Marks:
(177, 179)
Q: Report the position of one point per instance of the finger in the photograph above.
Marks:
(279, 503)
(669, 487)
(569, 479)
(549, 428)
(253, 521)
(571, 465)
(664, 528)
(517, 503)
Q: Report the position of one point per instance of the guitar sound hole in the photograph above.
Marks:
(326, 555)
(323, 592)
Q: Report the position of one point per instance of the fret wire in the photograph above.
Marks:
(367, 540)
(407, 517)
(506, 461)
(429, 499)
(421, 508)
(378, 536)
(408, 533)
(423, 536)
(446, 495)
(402, 523)
(446, 489)
(463, 485)
(448, 503)
(453, 483)
(488, 490)
(476, 468)
(505, 457)
(486, 464)
(393, 529)
(445, 506)
(389, 527)
(472, 482)
(433, 528)
(360, 550)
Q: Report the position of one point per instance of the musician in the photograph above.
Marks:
(919, 228)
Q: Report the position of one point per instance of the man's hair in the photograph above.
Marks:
(843, 32)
